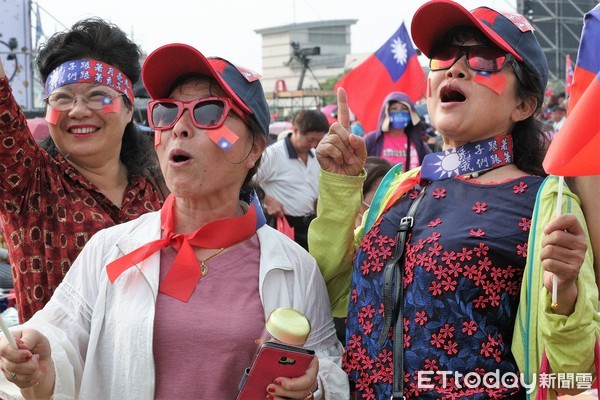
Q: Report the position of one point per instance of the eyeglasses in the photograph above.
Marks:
(479, 58)
(207, 113)
(95, 99)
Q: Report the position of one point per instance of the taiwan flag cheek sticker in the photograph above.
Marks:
(222, 136)
(111, 105)
(492, 80)
(52, 115)
(157, 136)
(428, 87)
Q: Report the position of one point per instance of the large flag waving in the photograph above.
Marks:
(588, 57)
(574, 149)
(394, 67)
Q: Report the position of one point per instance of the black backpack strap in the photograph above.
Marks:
(408, 146)
(393, 297)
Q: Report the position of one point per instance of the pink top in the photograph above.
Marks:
(202, 347)
(394, 150)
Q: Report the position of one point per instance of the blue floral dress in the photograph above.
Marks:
(464, 263)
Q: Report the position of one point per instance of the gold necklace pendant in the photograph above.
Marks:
(203, 267)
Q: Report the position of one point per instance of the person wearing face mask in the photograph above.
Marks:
(399, 134)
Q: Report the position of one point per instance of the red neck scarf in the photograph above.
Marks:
(184, 274)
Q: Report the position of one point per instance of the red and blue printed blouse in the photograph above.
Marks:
(464, 263)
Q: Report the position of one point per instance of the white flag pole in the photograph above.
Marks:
(7, 333)
(561, 181)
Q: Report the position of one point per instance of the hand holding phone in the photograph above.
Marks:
(273, 360)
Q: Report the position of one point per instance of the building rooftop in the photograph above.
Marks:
(305, 25)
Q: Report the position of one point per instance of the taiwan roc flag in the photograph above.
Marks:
(574, 149)
(394, 67)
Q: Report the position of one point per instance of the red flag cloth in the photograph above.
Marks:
(588, 57)
(568, 74)
(574, 149)
(394, 67)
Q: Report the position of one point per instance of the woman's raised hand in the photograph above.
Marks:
(341, 152)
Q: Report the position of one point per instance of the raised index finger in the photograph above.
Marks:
(343, 111)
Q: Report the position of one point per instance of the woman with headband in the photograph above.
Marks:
(95, 169)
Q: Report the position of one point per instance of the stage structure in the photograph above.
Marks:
(558, 25)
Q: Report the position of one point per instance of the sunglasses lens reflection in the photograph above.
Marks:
(164, 114)
(209, 113)
(486, 59)
(444, 58)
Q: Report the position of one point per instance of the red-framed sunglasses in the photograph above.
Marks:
(207, 113)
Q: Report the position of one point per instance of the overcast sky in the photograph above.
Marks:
(226, 27)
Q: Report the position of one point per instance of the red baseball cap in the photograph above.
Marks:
(167, 63)
(510, 31)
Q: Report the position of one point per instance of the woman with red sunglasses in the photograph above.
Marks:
(447, 284)
(172, 305)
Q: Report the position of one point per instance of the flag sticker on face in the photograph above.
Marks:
(222, 136)
(492, 80)
(110, 105)
(428, 87)
(52, 115)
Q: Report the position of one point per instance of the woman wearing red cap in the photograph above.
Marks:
(171, 305)
(448, 281)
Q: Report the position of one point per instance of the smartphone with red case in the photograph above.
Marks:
(273, 360)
